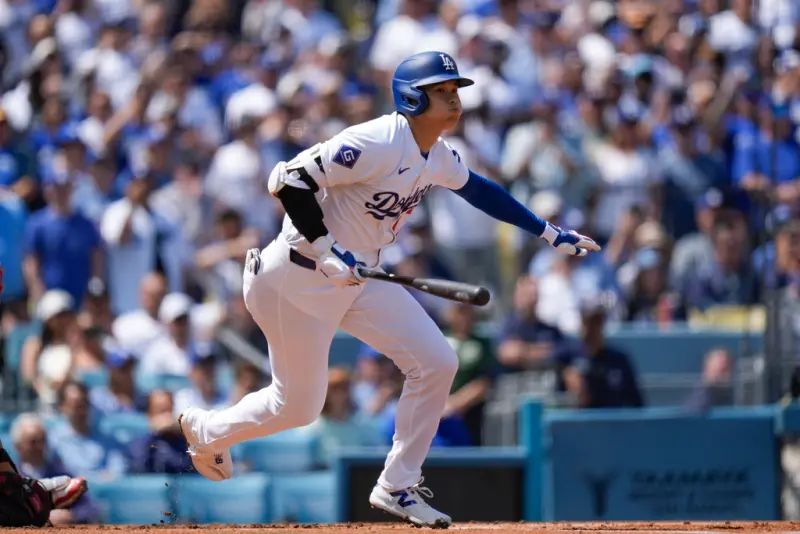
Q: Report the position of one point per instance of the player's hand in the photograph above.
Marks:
(569, 241)
(338, 264)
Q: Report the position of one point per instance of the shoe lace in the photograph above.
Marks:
(422, 490)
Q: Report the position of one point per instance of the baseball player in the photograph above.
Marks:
(345, 200)
(27, 502)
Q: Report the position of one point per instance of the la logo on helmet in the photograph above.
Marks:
(447, 62)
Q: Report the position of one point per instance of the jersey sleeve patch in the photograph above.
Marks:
(347, 156)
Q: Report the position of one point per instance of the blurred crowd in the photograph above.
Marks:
(136, 137)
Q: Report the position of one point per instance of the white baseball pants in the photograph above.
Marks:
(299, 312)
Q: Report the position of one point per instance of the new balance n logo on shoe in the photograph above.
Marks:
(218, 459)
(403, 496)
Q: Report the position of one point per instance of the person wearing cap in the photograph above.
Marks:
(119, 395)
(766, 161)
(46, 359)
(204, 390)
(688, 172)
(692, 251)
(236, 179)
(724, 277)
(63, 248)
(171, 354)
(597, 375)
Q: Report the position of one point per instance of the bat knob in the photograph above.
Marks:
(481, 297)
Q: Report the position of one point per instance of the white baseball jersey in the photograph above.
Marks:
(374, 176)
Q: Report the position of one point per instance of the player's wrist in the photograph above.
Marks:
(550, 233)
(323, 245)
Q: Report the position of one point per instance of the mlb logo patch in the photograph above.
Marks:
(347, 156)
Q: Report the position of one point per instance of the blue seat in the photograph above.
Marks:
(141, 499)
(125, 427)
(293, 451)
(16, 339)
(304, 498)
(5, 421)
(243, 499)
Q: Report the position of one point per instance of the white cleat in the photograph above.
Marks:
(64, 490)
(409, 505)
(216, 466)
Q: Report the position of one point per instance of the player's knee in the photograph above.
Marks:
(305, 412)
(442, 364)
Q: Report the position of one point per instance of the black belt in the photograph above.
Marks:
(298, 259)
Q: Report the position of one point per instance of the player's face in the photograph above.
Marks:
(444, 104)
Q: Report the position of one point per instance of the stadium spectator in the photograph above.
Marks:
(63, 248)
(171, 354)
(691, 252)
(88, 352)
(369, 389)
(339, 425)
(203, 390)
(16, 164)
(248, 378)
(472, 384)
(13, 223)
(716, 386)
(726, 278)
(137, 329)
(597, 375)
(120, 394)
(96, 311)
(82, 448)
(37, 460)
(47, 358)
(526, 342)
(164, 449)
(222, 259)
(135, 239)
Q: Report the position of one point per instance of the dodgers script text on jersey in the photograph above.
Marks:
(369, 158)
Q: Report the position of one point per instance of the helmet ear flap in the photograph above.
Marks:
(422, 101)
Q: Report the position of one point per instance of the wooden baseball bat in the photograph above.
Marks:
(458, 291)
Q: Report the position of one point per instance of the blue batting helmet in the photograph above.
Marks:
(417, 71)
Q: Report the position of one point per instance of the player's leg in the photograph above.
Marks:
(386, 317)
(299, 314)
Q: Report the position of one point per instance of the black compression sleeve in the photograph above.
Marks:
(302, 208)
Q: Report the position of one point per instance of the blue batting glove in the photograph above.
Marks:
(568, 241)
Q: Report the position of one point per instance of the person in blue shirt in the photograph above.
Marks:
(81, 447)
(13, 216)
(62, 246)
(598, 375)
(162, 450)
(766, 159)
(17, 168)
(525, 341)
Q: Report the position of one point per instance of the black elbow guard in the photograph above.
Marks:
(302, 208)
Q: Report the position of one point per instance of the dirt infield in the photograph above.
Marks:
(472, 528)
